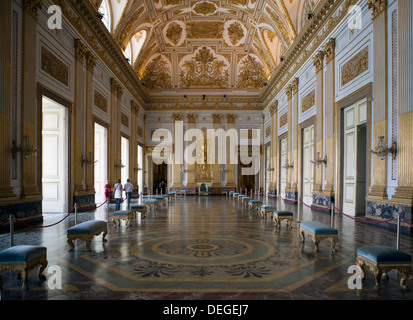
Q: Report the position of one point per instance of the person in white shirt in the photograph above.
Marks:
(128, 187)
(118, 194)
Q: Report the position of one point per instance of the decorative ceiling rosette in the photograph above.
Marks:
(175, 33)
(235, 33)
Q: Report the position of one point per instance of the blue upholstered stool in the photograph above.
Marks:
(120, 215)
(86, 231)
(279, 216)
(318, 232)
(139, 208)
(266, 209)
(382, 259)
(22, 259)
(152, 204)
(254, 204)
(244, 200)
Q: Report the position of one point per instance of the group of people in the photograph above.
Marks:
(117, 190)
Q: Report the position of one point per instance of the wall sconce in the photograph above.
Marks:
(317, 161)
(25, 149)
(183, 170)
(119, 165)
(287, 165)
(269, 169)
(223, 168)
(381, 150)
(89, 160)
(137, 168)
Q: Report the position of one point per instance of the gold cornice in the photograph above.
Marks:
(82, 16)
(327, 14)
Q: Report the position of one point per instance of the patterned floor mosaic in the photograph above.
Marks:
(204, 248)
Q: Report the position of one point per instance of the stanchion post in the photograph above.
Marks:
(11, 230)
(107, 209)
(75, 213)
(332, 216)
(398, 232)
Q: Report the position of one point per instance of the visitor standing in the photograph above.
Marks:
(128, 187)
(118, 194)
(107, 190)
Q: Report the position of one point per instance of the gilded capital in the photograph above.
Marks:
(114, 84)
(90, 61)
(177, 117)
(231, 118)
(32, 7)
(274, 108)
(134, 107)
(377, 7)
(191, 117)
(318, 61)
(294, 86)
(80, 50)
(330, 49)
(289, 91)
(216, 118)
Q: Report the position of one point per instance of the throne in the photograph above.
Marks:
(203, 190)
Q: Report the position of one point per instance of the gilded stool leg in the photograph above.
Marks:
(105, 232)
(24, 273)
(88, 241)
(42, 267)
(71, 244)
(377, 276)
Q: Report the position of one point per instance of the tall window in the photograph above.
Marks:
(104, 10)
(128, 53)
(135, 46)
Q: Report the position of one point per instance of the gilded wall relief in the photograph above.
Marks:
(283, 120)
(54, 67)
(124, 120)
(204, 68)
(157, 73)
(100, 101)
(251, 73)
(355, 67)
(308, 101)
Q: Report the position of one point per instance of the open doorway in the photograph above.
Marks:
(101, 158)
(355, 158)
(55, 146)
(160, 176)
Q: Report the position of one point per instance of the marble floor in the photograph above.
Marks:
(203, 248)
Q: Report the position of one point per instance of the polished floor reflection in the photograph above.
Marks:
(204, 248)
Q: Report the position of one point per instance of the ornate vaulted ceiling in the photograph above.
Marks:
(211, 45)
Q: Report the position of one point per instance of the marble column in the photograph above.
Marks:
(291, 193)
(274, 148)
(133, 146)
(318, 62)
(378, 190)
(404, 190)
(178, 148)
(330, 116)
(191, 124)
(78, 113)
(89, 128)
(29, 110)
(6, 191)
(231, 166)
(112, 134)
(216, 173)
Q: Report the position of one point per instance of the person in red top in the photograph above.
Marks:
(107, 190)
